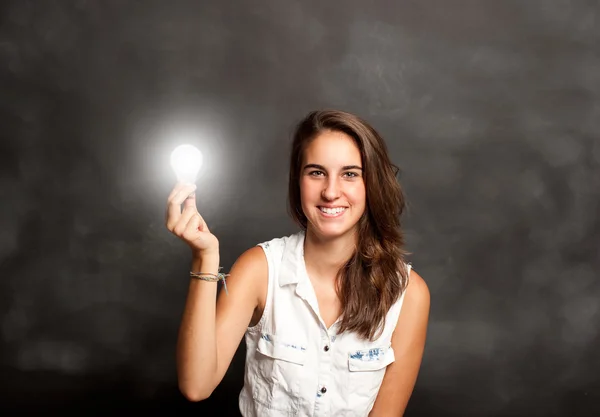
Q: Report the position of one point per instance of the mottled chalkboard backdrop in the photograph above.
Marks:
(491, 109)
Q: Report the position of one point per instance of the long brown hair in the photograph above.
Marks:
(376, 275)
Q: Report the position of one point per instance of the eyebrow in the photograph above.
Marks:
(322, 168)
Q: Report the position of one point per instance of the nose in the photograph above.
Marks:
(332, 189)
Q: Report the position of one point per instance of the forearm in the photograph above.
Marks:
(196, 345)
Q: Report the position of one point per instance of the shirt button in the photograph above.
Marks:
(323, 390)
(326, 348)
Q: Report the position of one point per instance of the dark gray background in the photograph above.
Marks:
(491, 109)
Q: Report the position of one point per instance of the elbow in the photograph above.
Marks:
(195, 394)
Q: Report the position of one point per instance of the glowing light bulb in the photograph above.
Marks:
(186, 161)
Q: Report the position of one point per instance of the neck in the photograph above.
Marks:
(325, 257)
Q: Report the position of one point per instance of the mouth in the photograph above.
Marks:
(332, 211)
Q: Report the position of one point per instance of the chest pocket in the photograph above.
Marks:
(366, 371)
(277, 376)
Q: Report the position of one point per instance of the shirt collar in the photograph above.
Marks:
(293, 260)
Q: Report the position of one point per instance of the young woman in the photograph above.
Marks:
(334, 319)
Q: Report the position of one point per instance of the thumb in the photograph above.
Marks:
(190, 201)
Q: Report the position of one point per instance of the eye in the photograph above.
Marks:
(315, 173)
(351, 174)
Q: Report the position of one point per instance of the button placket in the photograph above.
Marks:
(323, 400)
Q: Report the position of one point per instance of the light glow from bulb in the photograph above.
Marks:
(186, 161)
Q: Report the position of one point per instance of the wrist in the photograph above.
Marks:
(205, 254)
(205, 261)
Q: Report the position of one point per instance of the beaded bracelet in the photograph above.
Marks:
(207, 276)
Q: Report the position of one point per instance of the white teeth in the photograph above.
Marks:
(332, 210)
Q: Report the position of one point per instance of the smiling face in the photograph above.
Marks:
(332, 189)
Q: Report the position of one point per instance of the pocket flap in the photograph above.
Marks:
(370, 359)
(282, 348)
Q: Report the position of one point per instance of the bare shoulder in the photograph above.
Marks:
(417, 288)
(414, 315)
(252, 260)
(248, 276)
(417, 297)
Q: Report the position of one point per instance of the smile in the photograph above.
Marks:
(332, 212)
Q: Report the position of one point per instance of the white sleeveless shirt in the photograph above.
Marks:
(295, 366)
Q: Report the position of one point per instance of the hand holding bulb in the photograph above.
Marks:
(188, 224)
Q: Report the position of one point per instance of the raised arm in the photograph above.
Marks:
(211, 330)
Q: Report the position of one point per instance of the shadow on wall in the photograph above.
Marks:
(574, 403)
(47, 393)
(43, 393)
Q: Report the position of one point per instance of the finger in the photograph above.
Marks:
(187, 213)
(182, 193)
(189, 209)
(175, 189)
(192, 228)
(173, 212)
(190, 201)
(201, 226)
